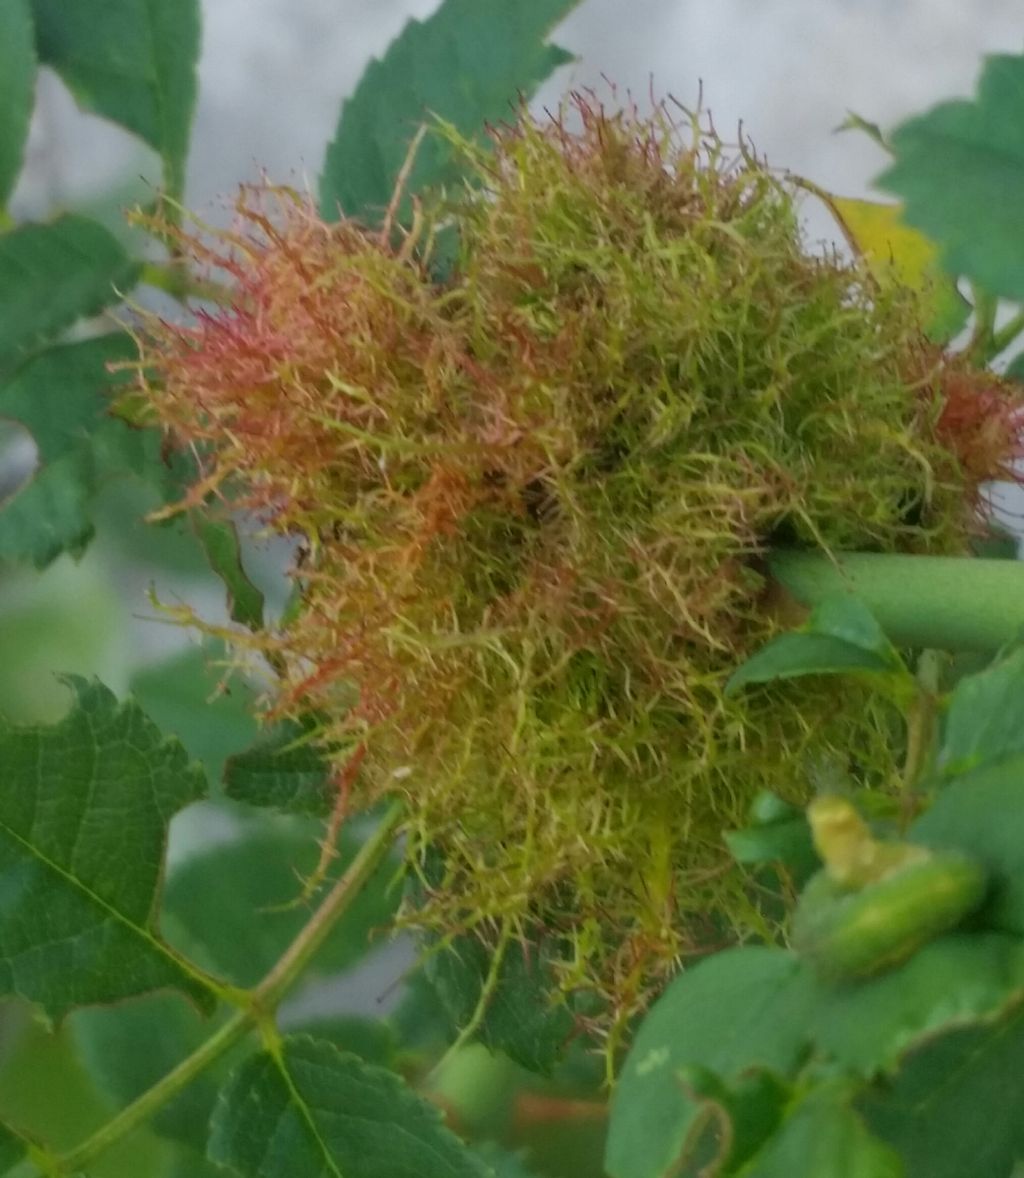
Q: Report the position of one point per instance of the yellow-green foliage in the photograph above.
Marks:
(534, 497)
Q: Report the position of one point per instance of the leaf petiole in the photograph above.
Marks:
(259, 1006)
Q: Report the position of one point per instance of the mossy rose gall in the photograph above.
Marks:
(533, 495)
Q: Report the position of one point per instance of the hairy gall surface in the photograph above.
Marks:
(532, 495)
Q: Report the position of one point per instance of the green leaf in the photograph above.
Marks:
(53, 274)
(48, 516)
(238, 902)
(740, 1009)
(17, 86)
(982, 813)
(284, 771)
(60, 396)
(372, 1039)
(12, 1148)
(841, 636)
(737, 1119)
(956, 980)
(823, 1138)
(960, 170)
(778, 834)
(467, 64)
(310, 1111)
(420, 1019)
(520, 1018)
(219, 539)
(132, 61)
(84, 811)
(187, 697)
(128, 1048)
(507, 994)
(985, 721)
(953, 1109)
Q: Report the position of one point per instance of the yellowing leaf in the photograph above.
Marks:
(895, 251)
